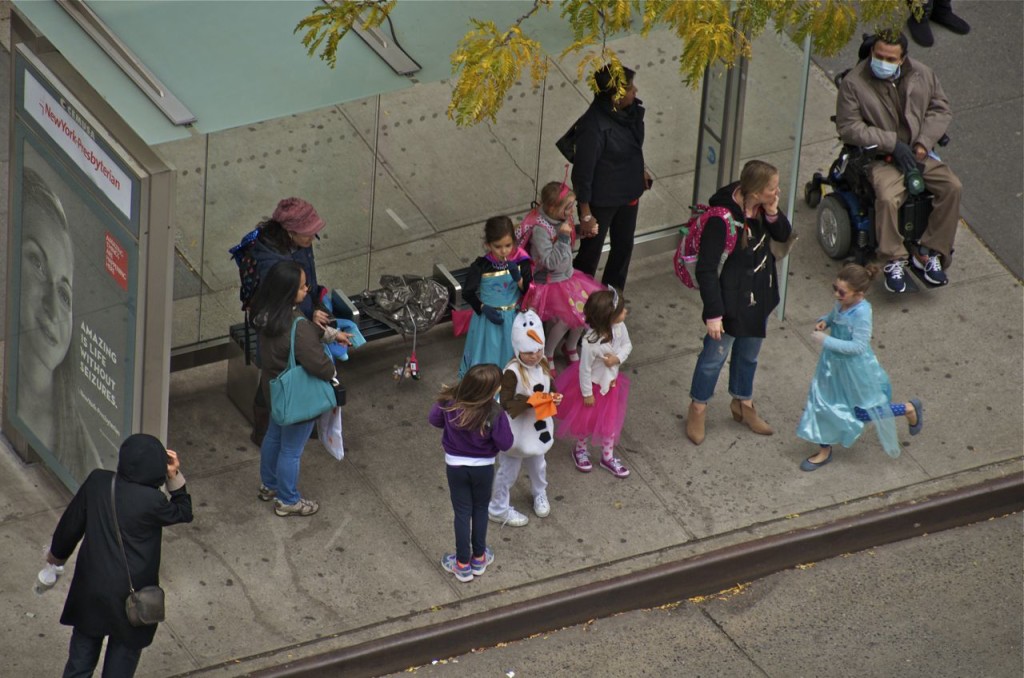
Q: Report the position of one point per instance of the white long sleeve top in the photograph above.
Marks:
(592, 368)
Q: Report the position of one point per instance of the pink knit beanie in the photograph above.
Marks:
(298, 216)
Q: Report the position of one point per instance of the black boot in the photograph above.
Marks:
(919, 29)
(942, 14)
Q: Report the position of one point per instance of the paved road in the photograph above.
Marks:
(947, 604)
(983, 76)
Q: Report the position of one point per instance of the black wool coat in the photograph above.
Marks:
(95, 603)
(747, 290)
(609, 166)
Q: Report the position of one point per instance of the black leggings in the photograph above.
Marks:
(470, 489)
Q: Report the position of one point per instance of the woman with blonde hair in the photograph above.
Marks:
(738, 294)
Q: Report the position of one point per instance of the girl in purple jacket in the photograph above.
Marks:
(475, 430)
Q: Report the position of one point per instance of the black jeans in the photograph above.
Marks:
(470, 489)
(621, 222)
(84, 653)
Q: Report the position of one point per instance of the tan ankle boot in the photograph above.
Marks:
(753, 421)
(695, 424)
(736, 407)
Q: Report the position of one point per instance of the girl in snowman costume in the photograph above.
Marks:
(526, 396)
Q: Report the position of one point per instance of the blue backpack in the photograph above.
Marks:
(248, 274)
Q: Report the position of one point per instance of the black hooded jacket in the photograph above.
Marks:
(747, 290)
(95, 603)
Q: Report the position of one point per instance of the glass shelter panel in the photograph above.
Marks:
(400, 186)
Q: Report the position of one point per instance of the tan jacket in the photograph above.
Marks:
(867, 113)
(309, 353)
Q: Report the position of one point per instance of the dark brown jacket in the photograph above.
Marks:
(309, 353)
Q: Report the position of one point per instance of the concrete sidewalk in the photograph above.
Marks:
(248, 590)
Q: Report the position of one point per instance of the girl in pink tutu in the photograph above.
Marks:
(558, 291)
(594, 394)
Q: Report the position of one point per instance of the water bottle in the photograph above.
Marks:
(914, 181)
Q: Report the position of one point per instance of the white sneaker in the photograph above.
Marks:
(512, 518)
(541, 506)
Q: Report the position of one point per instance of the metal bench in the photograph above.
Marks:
(243, 375)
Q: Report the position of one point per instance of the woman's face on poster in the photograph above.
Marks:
(46, 282)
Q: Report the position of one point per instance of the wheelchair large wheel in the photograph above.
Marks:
(834, 230)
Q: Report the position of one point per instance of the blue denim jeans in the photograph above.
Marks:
(119, 661)
(279, 458)
(742, 366)
(470, 489)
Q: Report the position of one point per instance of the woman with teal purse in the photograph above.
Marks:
(277, 318)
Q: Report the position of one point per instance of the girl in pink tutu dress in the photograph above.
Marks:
(594, 394)
(558, 291)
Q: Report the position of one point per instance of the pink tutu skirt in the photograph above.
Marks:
(602, 421)
(562, 300)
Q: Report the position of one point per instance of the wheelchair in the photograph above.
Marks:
(845, 223)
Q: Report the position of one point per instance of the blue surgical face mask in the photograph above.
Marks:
(883, 70)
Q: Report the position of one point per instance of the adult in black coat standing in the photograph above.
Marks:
(739, 299)
(608, 177)
(95, 603)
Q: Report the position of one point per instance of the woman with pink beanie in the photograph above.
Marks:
(288, 236)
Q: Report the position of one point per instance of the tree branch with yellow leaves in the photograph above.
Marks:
(488, 61)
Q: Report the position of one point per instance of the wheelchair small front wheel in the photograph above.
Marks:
(812, 193)
(833, 228)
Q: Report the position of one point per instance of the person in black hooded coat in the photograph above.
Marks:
(95, 603)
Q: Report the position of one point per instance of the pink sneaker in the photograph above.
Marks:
(582, 460)
(615, 467)
(570, 354)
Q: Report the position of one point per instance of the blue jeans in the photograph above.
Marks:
(742, 366)
(470, 489)
(120, 661)
(279, 458)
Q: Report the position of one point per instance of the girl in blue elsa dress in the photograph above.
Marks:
(850, 387)
(494, 285)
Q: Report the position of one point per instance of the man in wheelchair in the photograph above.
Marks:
(898, 105)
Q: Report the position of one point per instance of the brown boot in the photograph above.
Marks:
(753, 421)
(736, 407)
(695, 424)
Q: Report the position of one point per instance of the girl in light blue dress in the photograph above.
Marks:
(850, 387)
(494, 286)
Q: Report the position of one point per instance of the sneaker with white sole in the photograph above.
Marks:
(581, 457)
(927, 261)
(266, 494)
(462, 571)
(303, 507)
(512, 518)
(615, 467)
(894, 280)
(479, 565)
(541, 506)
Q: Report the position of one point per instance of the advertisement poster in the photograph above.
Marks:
(73, 301)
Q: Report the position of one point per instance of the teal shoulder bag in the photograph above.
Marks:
(295, 394)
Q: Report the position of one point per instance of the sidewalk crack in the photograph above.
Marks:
(739, 648)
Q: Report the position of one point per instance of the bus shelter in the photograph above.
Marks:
(147, 137)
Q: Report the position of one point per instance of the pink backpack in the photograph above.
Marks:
(524, 231)
(685, 261)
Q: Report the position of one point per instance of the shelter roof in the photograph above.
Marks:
(234, 63)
